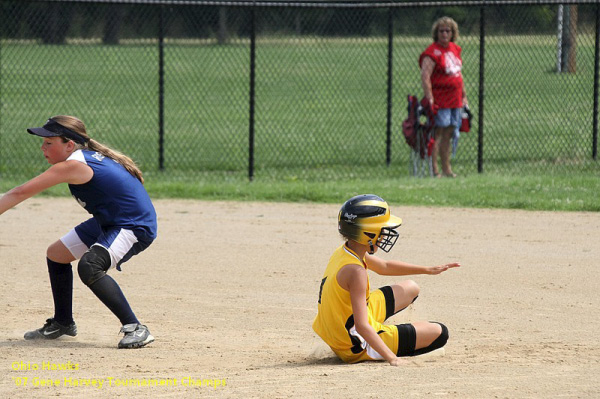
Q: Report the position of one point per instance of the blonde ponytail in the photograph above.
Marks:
(76, 125)
(123, 159)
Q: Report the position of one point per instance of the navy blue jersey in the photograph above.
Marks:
(113, 196)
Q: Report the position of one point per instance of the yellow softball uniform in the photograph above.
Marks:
(335, 320)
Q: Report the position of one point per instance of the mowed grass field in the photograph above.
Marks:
(320, 113)
(319, 102)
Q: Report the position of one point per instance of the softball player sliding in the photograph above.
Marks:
(110, 187)
(350, 316)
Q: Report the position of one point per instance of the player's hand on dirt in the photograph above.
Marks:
(442, 268)
(399, 362)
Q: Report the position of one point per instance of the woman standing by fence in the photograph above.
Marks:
(444, 88)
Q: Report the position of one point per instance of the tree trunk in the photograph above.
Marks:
(569, 49)
(222, 28)
(58, 20)
(112, 24)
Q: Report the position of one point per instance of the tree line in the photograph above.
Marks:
(53, 22)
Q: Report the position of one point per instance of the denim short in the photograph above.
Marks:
(448, 117)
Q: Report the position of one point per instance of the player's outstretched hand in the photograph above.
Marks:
(442, 268)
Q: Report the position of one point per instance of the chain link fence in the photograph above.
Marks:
(280, 90)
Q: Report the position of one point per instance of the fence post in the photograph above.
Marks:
(481, 88)
(251, 94)
(161, 89)
(596, 67)
(559, 38)
(388, 140)
(1, 16)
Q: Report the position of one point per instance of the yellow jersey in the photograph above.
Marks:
(335, 317)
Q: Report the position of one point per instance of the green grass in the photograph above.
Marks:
(567, 193)
(320, 119)
(549, 192)
(321, 103)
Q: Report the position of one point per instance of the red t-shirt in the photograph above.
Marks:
(446, 79)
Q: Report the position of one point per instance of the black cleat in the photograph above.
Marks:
(52, 330)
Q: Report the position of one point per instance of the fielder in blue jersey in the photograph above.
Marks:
(109, 185)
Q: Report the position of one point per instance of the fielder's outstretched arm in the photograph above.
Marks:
(73, 172)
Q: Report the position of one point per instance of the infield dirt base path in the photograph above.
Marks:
(230, 290)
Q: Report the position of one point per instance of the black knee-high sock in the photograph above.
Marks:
(109, 292)
(61, 281)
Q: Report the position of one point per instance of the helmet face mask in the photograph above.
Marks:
(367, 220)
(387, 239)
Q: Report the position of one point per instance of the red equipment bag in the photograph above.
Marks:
(467, 116)
(417, 133)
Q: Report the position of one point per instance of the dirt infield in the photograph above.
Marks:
(229, 290)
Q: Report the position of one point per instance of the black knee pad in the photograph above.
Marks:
(442, 339)
(93, 265)
(438, 343)
(407, 339)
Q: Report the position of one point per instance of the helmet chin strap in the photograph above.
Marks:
(371, 248)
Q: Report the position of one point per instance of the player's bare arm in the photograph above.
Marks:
(72, 172)
(398, 268)
(353, 278)
(464, 92)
